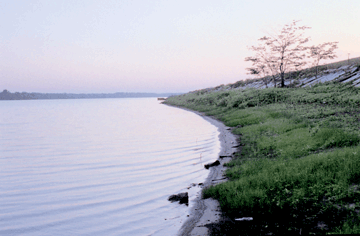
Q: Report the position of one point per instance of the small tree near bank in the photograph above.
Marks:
(322, 51)
(286, 50)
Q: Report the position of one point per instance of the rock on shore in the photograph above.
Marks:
(183, 198)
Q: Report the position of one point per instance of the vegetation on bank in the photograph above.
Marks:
(299, 167)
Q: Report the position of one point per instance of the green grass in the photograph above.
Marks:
(351, 226)
(335, 65)
(300, 160)
(268, 184)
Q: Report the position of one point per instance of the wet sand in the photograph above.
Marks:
(207, 211)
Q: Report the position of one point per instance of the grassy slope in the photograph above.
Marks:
(299, 167)
(297, 77)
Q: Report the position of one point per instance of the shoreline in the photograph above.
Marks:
(206, 211)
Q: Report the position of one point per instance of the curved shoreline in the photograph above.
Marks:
(207, 211)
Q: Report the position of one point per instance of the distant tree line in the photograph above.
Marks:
(286, 51)
(6, 95)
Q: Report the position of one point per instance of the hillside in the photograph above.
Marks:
(299, 158)
(342, 71)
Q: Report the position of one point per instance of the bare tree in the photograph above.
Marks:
(283, 51)
(322, 51)
(287, 48)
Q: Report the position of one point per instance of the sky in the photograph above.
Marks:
(107, 46)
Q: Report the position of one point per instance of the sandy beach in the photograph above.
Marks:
(206, 211)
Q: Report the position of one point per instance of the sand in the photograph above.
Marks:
(207, 211)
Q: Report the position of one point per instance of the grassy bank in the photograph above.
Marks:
(299, 167)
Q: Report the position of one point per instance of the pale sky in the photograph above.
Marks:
(95, 46)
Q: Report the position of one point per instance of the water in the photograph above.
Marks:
(99, 166)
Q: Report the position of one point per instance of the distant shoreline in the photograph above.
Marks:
(6, 95)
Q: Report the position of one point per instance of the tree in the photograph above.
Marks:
(284, 51)
(322, 51)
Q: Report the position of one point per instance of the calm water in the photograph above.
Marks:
(99, 166)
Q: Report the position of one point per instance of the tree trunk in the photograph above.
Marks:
(274, 81)
(266, 82)
(282, 80)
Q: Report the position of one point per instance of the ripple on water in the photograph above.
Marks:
(99, 166)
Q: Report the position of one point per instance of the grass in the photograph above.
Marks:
(335, 65)
(300, 161)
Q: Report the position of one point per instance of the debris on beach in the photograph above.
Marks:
(244, 219)
(192, 185)
(224, 156)
(216, 163)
